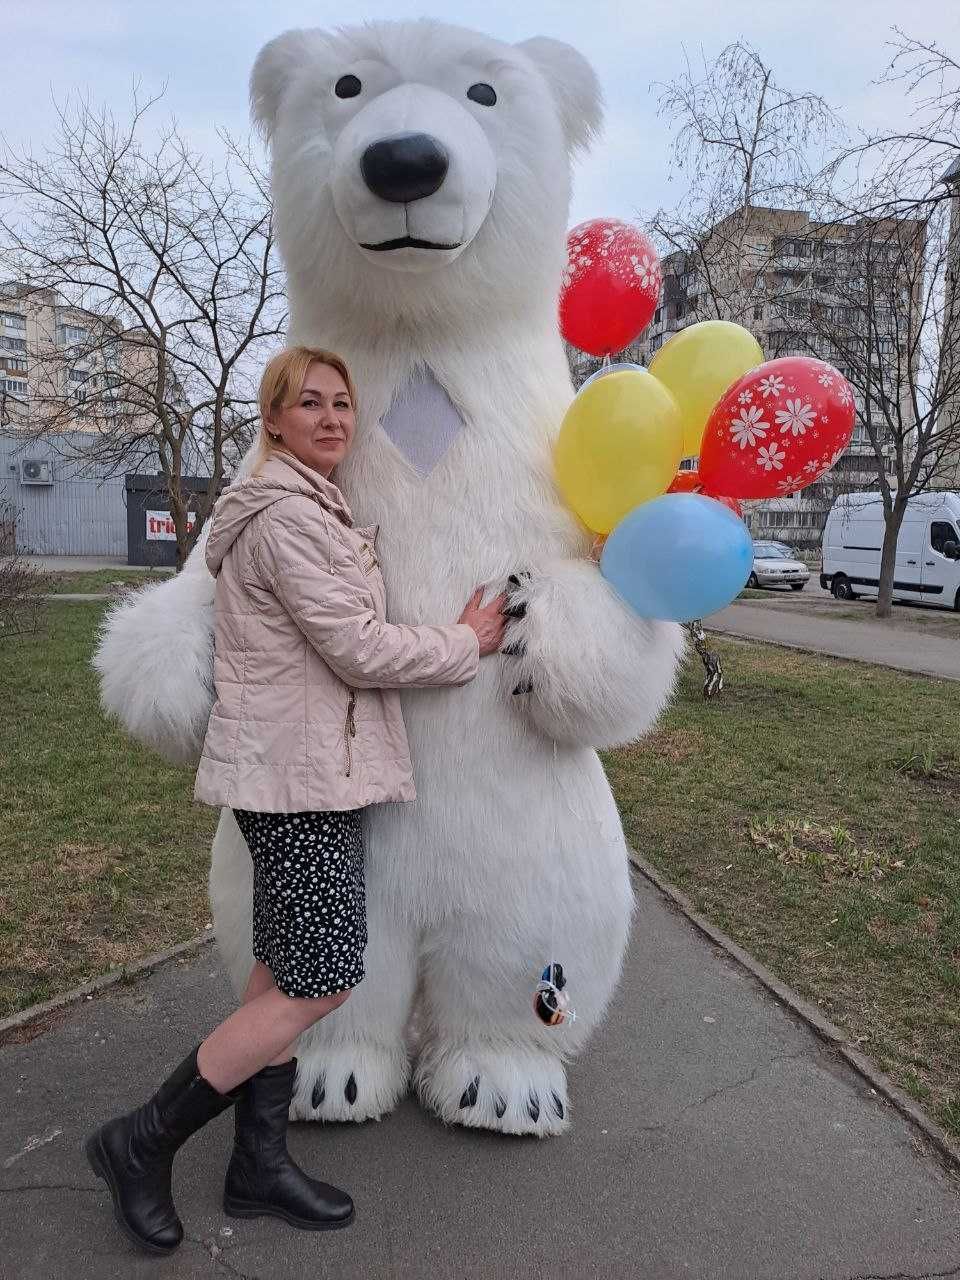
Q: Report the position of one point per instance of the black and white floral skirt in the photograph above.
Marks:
(309, 905)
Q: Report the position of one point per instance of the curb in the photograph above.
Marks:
(105, 981)
(948, 1150)
(834, 657)
(73, 596)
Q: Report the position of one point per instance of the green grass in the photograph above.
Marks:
(98, 580)
(103, 854)
(813, 813)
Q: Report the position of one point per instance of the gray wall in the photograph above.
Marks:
(83, 513)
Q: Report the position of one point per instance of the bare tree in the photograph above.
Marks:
(917, 154)
(166, 287)
(886, 311)
(882, 314)
(743, 142)
(20, 583)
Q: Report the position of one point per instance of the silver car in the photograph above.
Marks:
(775, 566)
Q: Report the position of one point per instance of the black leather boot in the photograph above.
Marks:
(262, 1178)
(134, 1153)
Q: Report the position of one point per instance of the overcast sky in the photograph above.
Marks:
(203, 50)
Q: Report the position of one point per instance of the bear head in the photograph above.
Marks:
(421, 170)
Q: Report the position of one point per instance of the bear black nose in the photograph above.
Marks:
(407, 166)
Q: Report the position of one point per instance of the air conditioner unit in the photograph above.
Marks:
(36, 471)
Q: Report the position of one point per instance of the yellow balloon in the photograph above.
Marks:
(620, 444)
(698, 364)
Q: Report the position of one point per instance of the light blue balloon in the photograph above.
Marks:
(679, 557)
(617, 366)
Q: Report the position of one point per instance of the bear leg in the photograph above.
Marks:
(354, 1064)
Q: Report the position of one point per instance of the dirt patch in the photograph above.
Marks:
(673, 745)
(931, 772)
(945, 781)
(833, 852)
(85, 861)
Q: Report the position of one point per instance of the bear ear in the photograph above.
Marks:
(276, 67)
(574, 86)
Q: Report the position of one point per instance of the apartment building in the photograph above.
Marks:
(799, 286)
(59, 364)
(66, 377)
(949, 419)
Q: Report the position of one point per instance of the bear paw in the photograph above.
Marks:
(351, 1080)
(511, 1089)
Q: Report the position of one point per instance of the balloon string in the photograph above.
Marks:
(552, 959)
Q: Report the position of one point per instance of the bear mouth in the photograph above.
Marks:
(407, 242)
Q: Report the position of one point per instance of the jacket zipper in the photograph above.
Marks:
(350, 730)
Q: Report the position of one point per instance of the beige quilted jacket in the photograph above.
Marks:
(307, 713)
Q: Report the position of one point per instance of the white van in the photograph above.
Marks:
(928, 549)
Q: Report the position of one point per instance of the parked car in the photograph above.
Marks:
(775, 565)
(928, 549)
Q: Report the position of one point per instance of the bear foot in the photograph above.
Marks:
(350, 1080)
(510, 1090)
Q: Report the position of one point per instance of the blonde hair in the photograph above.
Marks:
(280, 387)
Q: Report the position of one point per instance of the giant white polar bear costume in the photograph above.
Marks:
(423, 228)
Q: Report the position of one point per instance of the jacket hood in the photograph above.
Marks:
(279, 477)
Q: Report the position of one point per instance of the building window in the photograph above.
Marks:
(13, 344)
(78, 375)
(15, 386)
(658, 315)
(13, 364)
(72, 333)
(12, 322)
(758, 313)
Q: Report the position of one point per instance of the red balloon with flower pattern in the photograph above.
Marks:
(611, 286)
(777, 429)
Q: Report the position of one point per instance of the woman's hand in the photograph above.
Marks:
(486, 620)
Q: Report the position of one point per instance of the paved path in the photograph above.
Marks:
(76, 564)
(933, 650)
(714, 1139)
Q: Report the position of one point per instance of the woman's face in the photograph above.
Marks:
(318, 427)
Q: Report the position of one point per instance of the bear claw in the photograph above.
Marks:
(533, 1107)
(557, 1104)
(469, 1096)
(350, 1089)
(499, 1105)
(319, 1092)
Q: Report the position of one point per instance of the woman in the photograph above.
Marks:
(305, 732)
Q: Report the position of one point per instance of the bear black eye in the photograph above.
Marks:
(485, 94)
(348, 87)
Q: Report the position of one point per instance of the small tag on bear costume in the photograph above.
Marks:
(423, 422)
(550, 1003)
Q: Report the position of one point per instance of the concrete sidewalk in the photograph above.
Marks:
(886, 644)
(76, 564)
(714, 1139)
